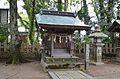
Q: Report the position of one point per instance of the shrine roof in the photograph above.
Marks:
(59, 19)
(115, 27)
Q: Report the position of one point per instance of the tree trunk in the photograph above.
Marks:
(86, 15)
(32, 23)
(65, 5)
(13, 31)
(59, 6)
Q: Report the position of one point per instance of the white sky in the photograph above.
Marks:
(4, 4)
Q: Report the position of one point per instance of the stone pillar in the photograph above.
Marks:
(87, 51)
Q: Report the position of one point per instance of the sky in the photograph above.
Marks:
(4, 4)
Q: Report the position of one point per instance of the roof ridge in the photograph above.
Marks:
(58, 13)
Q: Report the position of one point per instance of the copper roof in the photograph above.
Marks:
(56, 19)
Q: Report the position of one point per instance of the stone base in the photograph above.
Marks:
(51, 63)
(97, 63)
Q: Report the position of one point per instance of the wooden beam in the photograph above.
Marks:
(75, 27)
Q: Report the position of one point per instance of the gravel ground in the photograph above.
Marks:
(110, 70)
(33, 70)
(30, 70)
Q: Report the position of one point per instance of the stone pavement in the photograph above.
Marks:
(69, 74)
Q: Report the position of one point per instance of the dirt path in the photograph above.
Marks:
(31, 70)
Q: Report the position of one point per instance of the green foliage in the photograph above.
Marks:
(3, 32)
(59, 6)
(77, 39)
(83, 13)
(65, 5)
(105, 13)
(87, 39)
(82, 69)
(80, 39)
(32, 7)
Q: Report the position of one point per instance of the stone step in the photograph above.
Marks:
(61, 60)
(69, 74)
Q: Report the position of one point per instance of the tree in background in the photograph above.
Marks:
(83, 12)
(102, 9)
(59, 5)
(65, 5)
(32, 7)
(105, 12)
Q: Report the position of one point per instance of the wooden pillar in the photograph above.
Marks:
(52, 44)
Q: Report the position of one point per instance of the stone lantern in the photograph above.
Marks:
(97, 43)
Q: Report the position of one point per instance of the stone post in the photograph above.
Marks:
(87, 51)
(52, 44)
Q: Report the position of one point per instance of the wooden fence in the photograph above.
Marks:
(29, 51)
(109, 50)
(4, 48)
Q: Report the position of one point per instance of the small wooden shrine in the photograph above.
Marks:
(115, 28)
(58, 42)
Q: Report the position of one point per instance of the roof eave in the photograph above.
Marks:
(75, 27)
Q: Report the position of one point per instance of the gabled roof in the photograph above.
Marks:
(115, 26)
(56, 19)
